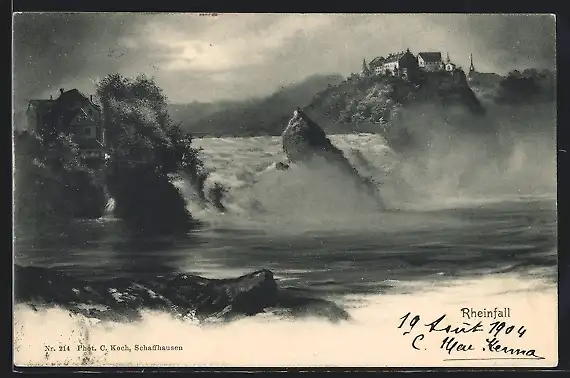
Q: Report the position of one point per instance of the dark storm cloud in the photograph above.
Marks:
(49, 48)
(52, 49)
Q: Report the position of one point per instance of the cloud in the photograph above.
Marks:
(229, 46)
(516, 40)
(242, 55)
(52, 49)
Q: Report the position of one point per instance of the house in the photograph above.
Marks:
(391, 65)
(430, 61)
(402, 64)
(449, 66)
(375, 65)
(74, 113)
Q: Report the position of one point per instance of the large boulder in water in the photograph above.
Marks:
(182, 295)
(305, 142)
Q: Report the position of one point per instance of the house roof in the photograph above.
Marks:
(60, 105)
(430, 56)
(394, 58)
(72, 92)
(75, 93)
(376, 61)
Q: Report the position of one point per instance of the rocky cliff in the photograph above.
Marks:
(378, 103)
(305, 142)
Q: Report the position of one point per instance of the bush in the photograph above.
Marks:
(51, 181)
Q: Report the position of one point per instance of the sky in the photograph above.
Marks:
(237, 56)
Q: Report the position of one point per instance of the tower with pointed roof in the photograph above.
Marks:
(471, 66)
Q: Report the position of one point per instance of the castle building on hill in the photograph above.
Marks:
(403, 64)
(408, 66)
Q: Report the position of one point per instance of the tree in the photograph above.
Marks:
(530, 72)
(134, 113)
(515, 74)
(139, 127)
(365, 68)
(148, 150)
(52, 181)
(516, 88)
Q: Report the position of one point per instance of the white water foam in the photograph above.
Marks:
(371, 339)
(259, 195)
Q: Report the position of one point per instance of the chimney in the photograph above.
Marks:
(91, 98)
(61, 90)
(50, 97)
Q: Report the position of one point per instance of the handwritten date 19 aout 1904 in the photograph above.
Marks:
(496, 327)
(451, 344)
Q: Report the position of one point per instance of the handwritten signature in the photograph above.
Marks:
(451, 343)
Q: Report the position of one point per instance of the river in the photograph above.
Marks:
(439, 244)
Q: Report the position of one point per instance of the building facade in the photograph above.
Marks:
(430, 61)
(449, 65)
(73, 113)
(409, 66)
(402, 64)
(375, 65)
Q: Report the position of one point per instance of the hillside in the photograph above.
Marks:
(440, 107)
(485, 85)
(194, 112)
(386, 104)
(266, 116)
(373, 99)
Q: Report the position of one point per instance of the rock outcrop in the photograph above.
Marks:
(280, 166)
(146, 200)
(305, 142)
(449, 90)
(183, 295)
(378, 103)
